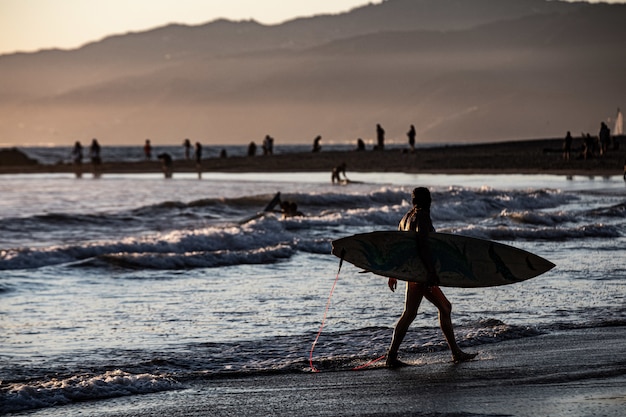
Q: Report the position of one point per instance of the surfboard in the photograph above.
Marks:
(273, 203)
(461, 261)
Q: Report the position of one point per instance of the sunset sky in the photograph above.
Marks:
(30, 25)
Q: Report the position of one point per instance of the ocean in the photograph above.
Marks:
(133, 284)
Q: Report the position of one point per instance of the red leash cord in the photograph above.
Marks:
(313, 368)
(332, 290)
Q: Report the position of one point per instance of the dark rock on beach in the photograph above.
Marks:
(13, 157)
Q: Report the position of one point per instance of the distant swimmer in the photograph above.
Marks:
(340, 169)
(418, 219)
(290, 209)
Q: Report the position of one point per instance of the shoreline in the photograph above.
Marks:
(520, 157)
(569, 372)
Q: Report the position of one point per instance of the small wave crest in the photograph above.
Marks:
(59, 391)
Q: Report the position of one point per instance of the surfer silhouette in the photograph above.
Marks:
(340, 169)
(418, 219)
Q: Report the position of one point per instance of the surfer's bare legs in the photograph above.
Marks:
(437, 297)
(414, 294)
(413, 298)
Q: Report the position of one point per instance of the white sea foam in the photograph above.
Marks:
(59, 391)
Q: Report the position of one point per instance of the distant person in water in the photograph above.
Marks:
(335, 176)
(418, 219)
(316, 144)
(411, 135)
(96, 160)
(198, 155)
(167, 164)
(77, 159)
(360, 145)
(380, 138)
(290, 209)
(147, 150)
(187, 146)
(567, 146)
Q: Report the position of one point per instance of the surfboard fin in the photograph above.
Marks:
(341, 256)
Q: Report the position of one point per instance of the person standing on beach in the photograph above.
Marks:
(567, 146)
(411, 134)
(167, 164)
(147, 150)
(187, 145)
(77, 158)
(380, 138)
(604, 138)
(418, 219)
(252, 149)
(96, 161)
(198, 155)
(316, 144)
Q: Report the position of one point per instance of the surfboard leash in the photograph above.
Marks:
(330, 296)
(332, 290)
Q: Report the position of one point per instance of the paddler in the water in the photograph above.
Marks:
(418, 219)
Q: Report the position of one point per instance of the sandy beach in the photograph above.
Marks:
(515, 157)
(575, 373)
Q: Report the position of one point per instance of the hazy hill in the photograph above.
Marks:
(460, 70)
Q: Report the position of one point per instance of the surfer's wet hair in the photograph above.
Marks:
(421, 197)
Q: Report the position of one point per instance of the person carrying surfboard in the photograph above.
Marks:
(418, 219)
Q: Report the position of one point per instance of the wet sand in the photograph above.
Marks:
(574, 373)
(519, 157)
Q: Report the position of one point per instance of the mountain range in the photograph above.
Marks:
(459, 70)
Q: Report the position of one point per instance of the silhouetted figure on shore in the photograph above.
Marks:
(411, 135)
(588, 146)
(198, 155)
(77, 159)
(187, 145)
(167, 164)
(567, 146)
(268, 145)
(360, 145)
(604, 138)
(418, 220)
(380, 138)
(340, 169)
(223, 154)
(252, 149)
(147, 150)
(316, 144)
(96, 160)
